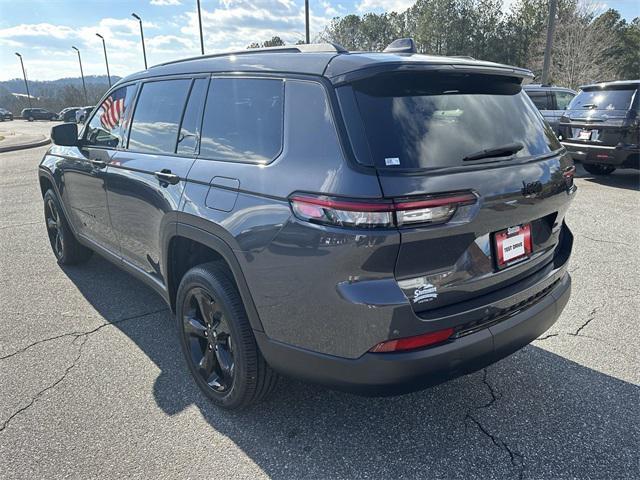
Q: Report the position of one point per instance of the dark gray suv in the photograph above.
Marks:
(375, 222)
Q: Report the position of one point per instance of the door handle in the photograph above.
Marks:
(98, 163)
(165, 176)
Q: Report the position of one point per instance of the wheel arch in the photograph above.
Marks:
(187, 246)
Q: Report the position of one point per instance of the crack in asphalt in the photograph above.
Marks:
(517, 459)
(84, 336)
(592, 316)
(38, 395)
(80, 334)
(551, 335)
(598, 240)
(16, 225)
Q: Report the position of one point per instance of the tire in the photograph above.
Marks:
(53, 117)
(598, 168)
(31, 119)
(65, 246)
(217, 339)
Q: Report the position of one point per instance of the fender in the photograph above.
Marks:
(45, 172)
(211, 236)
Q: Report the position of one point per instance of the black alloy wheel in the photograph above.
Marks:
(54, 228)
(65, 246)
(217, 338)
(209, 340)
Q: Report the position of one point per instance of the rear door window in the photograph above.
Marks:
(156, 119)
(598, 99)
(243, 120)
(434, 120)
(192, 119)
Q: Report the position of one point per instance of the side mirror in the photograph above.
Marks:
(65, 135)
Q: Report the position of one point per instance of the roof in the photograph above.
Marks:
(617, 83)
(329, 60)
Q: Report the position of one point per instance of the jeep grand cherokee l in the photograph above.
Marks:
(601, 127)
(375, 222)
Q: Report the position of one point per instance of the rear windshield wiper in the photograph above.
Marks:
(502, 151)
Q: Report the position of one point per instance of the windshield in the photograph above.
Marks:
(618, 99)
(431, 120)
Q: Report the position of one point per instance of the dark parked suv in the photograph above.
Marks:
(375, 222)
(601, 127)
(32, 114)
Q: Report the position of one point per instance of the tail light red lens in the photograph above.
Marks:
(412, 343)
(568, 175)
(399, 212)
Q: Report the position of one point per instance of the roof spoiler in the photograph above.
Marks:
(401, 45)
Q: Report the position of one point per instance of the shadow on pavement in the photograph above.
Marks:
(535, 414)
(625, 178)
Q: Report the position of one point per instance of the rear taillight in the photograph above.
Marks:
(412, 343)
(568, 175)
(399, 212)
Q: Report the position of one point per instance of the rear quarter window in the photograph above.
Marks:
(243, 120)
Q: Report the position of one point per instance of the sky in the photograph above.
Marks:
(44, 31)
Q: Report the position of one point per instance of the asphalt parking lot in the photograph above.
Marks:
(93, 383)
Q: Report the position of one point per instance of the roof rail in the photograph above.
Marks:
(328, 47)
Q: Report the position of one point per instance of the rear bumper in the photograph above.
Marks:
(396, 373)
(604, 155)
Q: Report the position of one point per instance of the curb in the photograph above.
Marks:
(24, 146)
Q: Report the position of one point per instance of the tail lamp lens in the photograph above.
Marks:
(398, 212)
(568, 175)
(412, 343)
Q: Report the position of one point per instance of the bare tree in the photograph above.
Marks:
(582, 48)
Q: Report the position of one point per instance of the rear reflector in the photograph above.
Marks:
(385, 213)
(411, 343)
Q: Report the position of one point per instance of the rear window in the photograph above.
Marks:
(434, 120)
(615, 99)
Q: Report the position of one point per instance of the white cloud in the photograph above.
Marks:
(385, 5)
(164, 3)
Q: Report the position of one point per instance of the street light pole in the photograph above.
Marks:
(306, 21)
(84, 87)
(144, 51)
(106, 60)
(24, 74)
(200, 24)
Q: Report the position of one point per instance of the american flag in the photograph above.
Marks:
(113, 109)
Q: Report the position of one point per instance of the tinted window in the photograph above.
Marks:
(154, 128)
(190, 128)
(106, 127)
(563, 99)
(243, 120)
(540, 100)
(435, 120)
(618, 99)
